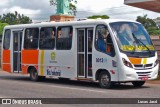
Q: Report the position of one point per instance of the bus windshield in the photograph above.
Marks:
(132, 37)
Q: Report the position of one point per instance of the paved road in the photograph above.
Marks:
(20, 86)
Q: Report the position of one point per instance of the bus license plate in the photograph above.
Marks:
(144, 78)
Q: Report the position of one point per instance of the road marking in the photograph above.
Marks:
(78, 89)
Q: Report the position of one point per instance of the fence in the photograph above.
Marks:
(156, 42)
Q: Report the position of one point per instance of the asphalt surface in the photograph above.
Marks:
(20, 86)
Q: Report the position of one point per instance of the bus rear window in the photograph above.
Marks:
(6, 41)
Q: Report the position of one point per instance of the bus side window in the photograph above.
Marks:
(47, 38)
(64, 38)
(31, 38)
(7, 36)
(103, 40)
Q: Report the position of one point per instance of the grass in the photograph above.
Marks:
(158, 78)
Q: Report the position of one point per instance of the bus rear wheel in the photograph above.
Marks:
(105, 80)
(138, 83)
(33, 74)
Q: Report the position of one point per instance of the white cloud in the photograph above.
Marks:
(20, 10)
(98, 5)
(4, 3)
(41, 9)
(113, 8)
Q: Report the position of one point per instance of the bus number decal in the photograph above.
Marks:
(99, 60)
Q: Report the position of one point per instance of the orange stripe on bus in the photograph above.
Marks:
(135, 60)
(6, 56)
(25, 69)
(30, 56)
(7, 67)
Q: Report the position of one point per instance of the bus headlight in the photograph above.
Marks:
(126, 63)
(156, 63)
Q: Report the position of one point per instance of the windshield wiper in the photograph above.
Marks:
(139, 41)
(134, 46)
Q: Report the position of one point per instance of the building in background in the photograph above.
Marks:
(152, 5)
(157, 21)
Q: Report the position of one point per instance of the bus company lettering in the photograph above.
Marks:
(137, 48)
(53, 72)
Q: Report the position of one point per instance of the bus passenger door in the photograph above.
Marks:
(84, 52)
(17, 41)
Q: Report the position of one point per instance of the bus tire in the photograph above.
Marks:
(105, 80)
(34, 74)
(138, 83)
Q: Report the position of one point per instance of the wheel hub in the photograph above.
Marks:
(105, 80)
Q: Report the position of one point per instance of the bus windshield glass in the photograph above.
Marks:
(132, 37)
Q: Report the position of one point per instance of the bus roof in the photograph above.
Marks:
(68, 23)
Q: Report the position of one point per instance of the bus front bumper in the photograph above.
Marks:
(140, 75)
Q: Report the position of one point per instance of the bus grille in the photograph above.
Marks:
(143, 66)
(144, 74)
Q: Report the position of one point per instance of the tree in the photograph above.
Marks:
(73, 9)
(2, 25)
(158, 18)
(98, 16)
(149, 24)
(15, 18)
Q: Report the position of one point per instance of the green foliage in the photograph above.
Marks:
(98, 16)
(149, 24)
(158, 18)
(14, 18)
(73, 9)
(2, 25)
(154, 32)
(158, 78)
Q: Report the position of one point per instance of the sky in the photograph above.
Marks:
(40, 10)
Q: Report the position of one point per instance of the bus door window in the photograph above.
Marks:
(90, 44)
(47, 38)
(64, 38)
(103, 40)
(81, 52)
(15, 44)
(90, 40)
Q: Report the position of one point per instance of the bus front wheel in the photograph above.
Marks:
(33, 74)
(138, 83)
(105, 80)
